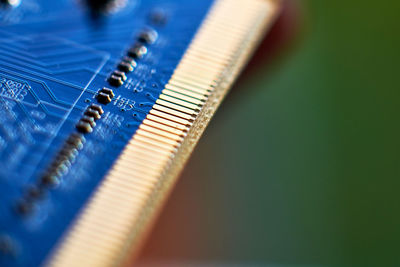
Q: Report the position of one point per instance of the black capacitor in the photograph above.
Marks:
(103, 98)
(149, 36)
(137, 51)
(125, 66)
(24, 207)
(34, 192)
(115, 80)
(98, 108)
(158, 17)
(120, 74)
(49, 179)
(104, 6)
(10, 3)
(89, 120)
(84, 127)
(93, 113)
(107, 91)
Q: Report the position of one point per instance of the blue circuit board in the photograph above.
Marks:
(61, 128)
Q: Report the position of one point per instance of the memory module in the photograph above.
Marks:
(101, 104)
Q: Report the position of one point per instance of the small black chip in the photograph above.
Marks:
(138, 51)
(93, 113)
(84, 127)
(103, 98)
(89, 120)
(62, 162)
(24, 207)
(7, 245)
(125, 67)
(158, 17)
(130, 61)
(120, 74)
(49, 179)
(68, 153)
(107, 91)
(10, 3)
(75, 140)
(115, 81)
(34, 192)
(148, 36)
(97, 108)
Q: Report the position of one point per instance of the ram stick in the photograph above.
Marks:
(101, 104)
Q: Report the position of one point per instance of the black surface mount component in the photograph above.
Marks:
(138, 51)
(148, 36)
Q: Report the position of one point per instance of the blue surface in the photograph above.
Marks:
(53, 60)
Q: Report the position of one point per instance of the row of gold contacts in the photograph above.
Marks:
(113, 222)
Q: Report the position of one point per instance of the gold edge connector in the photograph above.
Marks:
(115, 220)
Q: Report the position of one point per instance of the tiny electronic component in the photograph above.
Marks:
(148, 36)
(107, 91)
(105, 6)
(98, 108)
(137, 51)
(10, 3)
(105, 96)
(127, 65)
(92, 113)
(115, 80)
(120, 74)
(98, 117)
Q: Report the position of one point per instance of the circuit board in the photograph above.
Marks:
(101, 103)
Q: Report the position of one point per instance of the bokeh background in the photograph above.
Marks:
(301, 163)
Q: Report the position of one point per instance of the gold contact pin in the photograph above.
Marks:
(158, 139)
(162, 133)
(173, 112)
(164, 127)
(182, 128)
(187, 92)
(180, 102)
(191, 86)
(193, 110)
(170, 117)
(184, 96)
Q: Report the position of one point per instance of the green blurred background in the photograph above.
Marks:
(301, 163)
